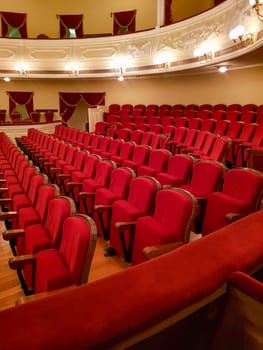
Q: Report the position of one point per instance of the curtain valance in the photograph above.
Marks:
(14, 24)
(71, 26)
(124, 22)
(23, 98)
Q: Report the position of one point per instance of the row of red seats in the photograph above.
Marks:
(177, 109)
(36, 230)
(83, 186)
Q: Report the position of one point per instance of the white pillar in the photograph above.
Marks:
(160, 12)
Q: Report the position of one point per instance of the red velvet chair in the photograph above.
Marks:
(234, 107)
(147, 138)
(35, 116)
(233, 116)
(89, 186)
(208, 125)
(140, 156)
(105, 196)
(219, 150)
(248, 116)
(172, 221)
(77, 177)
(61, 163)
(189, 140)
(136, 136)
(207, 146)
(125, 212)
(219, 106)
(221, 127)
(66, 265)
(49, 116)
(158, 161)
(101, 128)
(199, 142)
(241, 195)
(102, 146)
(178, 172)
(126, 151)
(218, 115)
(195, 123)
(179, 136)
(124, 134)
(202, 114)
(15, 117)
(113, 149)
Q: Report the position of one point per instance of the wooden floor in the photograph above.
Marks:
(10, 289)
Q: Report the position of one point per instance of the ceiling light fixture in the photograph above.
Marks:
(6, 79)
(222, 69)
(257, 4)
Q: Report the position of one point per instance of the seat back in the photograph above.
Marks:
(141, 154)
(89, 166)
(147, 137)
(208, 125)
(221, 127)
(218, 115)
(180, 165)
(103, 172)
(120, 180)
(234, 129)
(36, 182)
(136, 136)
(244, 184)
(63, 207)
(77, 246)
(220, 149)
(149, 187)
(46, 192)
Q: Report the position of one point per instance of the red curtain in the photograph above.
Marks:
(16, 20)
(69, 100)
(73, 22)
(21, 98)
(124, 22)
(217, 2)
(168, 12)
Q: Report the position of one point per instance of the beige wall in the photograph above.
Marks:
(238, 86)
(185, 8)
(97, 19)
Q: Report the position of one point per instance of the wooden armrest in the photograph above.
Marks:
(11, 234)
(3, 189)
(85, 195)
(2, 181)
(231, 217)
(4, 201)
(8, 215)
(26, 299)
(22, 260)
(64, 176)
(74, 184)
(154, 251)
(101, 208)
(122, 225)
(55, 170)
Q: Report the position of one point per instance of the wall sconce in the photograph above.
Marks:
(256, 4)
(73, 67)
(238, 34)
(164, 59)
(121, 77)
(22, 68)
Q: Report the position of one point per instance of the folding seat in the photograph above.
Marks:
(153, 120)
(189, 140)
(198, 144)
(195, 123)
(156, 128)
(138, 109)
(112, 131)
(86, 140)
(255, 143)
(234, 107)
(221, 127)
(173, 217)
(114, 108)
(208, 125)
(124, 213)
(164, 110)
(158, 161)
(207, 177)
(140, 156)
(64, 176)
(219, 115)
(147, 138)
(143, 126)
(61, 163)
(131, 126)
(68, 135)
(191, 106)
(249, 107)
(126, 109)
(169, 131)
(53, 158)
(178, 172)
(179, 137)
(85, 200)
(241, 195)
(113, 149)
(156, 141)
(248, 116)
(169, 120)
(74, 136)
(112, 118)
(181, 122)
(136, 136)
(259, 118)
(219, 106)
(205, 107)
(177, 113)
(234, 129)
(101, 128)
(44, 160)
(87, 172)
(79, 139)
(126, 151)
(124, 134)
(246, 135)
(126, 119)
(233, 116)
(41, 152)
(151, 109)
(219, 149)
(177, 107)
(105, 196)
(207, 146)
(70, 262)
(103, 145)
(94, 143)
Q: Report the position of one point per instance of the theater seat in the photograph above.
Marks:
(174, 214)
(241, 195)
(69, 264)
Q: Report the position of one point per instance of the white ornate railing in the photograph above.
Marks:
(169, 48)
